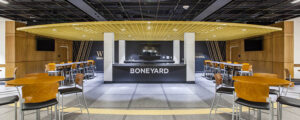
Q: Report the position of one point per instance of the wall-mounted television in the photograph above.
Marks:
(44, 44)
(254, 44)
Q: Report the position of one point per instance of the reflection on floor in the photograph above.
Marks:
(147, 102)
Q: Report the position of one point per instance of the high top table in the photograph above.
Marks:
(264, 80)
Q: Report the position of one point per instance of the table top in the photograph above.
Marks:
(69, 64)
(231, 64)
(35, 80)
(263, 80)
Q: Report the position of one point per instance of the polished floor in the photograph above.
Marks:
(138, 101)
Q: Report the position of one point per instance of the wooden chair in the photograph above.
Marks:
(78, 88)
(220, 89)
(253, 95)
(246, 69)
(38, 96)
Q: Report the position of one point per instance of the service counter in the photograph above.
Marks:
(149, 73)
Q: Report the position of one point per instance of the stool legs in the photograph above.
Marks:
(16, 111)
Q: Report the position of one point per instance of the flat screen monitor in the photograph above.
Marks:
(44, 44)
(254, 44)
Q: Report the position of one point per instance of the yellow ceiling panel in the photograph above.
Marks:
(149, 30)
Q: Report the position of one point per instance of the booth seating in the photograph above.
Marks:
(254, 96)
(78, 88)
(220, 89)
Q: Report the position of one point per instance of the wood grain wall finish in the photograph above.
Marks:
(276, 56)
(21, 51)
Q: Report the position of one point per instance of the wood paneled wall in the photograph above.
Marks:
(278, 53)
(21, 51)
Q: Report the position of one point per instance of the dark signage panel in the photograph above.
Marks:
(150, 73)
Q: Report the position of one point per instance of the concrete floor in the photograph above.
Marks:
(139, 101)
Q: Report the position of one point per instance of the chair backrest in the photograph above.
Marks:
(51, 66)
(73, 66)
(79, 79)
(235, 63)
(92, 62)
(270, 75)
(206, 62)
(219, 79)
(252, 91)
(222, 66)
(228, 62)
(245, 67)
(216, 65)
(36, 93)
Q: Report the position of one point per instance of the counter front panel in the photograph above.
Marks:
(149, 73)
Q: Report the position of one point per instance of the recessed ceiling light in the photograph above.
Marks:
(185, 7)
(214, 35)
(123, 29)
(54, 29)
(3, 1)
(175, 30)
(129, 35)
(149, 27)
(83, 35)
(148, 22)
(244, 30)
(295, 1)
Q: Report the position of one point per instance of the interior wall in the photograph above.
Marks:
(277, 54)
(21, 51)
(296, 46)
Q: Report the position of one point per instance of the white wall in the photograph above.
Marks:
(296, 45)
(2, 41)
(109, 46)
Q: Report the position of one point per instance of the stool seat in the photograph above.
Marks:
(34, 106)
(257, 105)
(69, 90)
(226, 90)
(9, 100)
(288, 101)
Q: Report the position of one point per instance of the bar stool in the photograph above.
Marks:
(78, 88)
(33, 100)
(253, 95)
(52, 69)
(246, 70)
(220, 89)
(206, 66)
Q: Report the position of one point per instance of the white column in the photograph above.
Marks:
(189, 56)
(2, 41)
(176, 51)
(109, 46)
(122, 52)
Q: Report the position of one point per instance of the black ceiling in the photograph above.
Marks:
(58, 11)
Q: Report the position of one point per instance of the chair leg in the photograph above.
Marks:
(212, 106)
(38, 117)
(62, 106)
(218, 100)
(240, 112)
(87, 109)
(233, 107)
(79, 102)
(51, 113)
(271, 111)
(16, 111)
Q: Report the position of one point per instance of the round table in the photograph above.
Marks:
(263, 80)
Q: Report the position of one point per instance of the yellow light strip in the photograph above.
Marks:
(149, 30)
